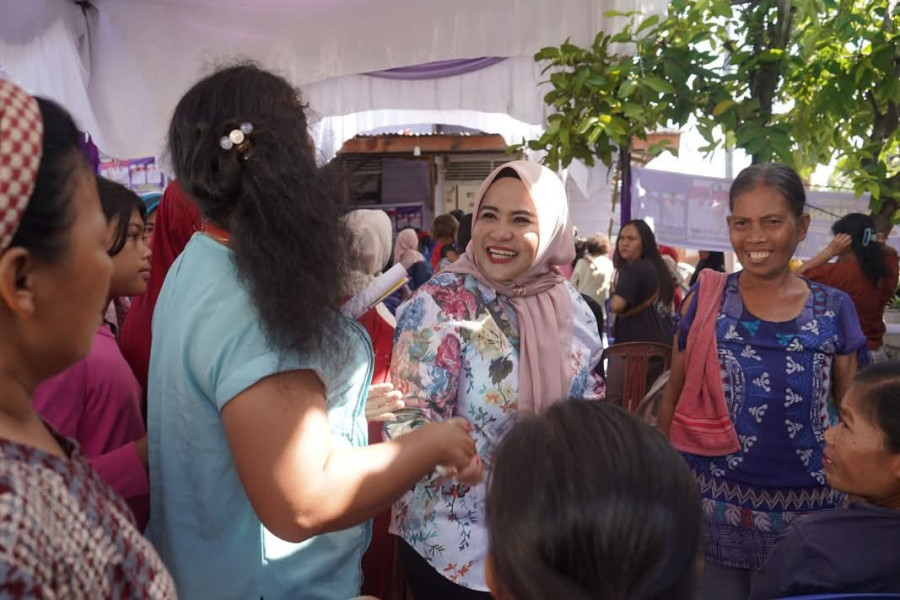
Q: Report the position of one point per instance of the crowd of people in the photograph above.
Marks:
(186, 412)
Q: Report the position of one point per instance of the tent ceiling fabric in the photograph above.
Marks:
(123, 67)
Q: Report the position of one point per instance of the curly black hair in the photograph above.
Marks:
(287, 235)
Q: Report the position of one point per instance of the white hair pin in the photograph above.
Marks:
(237, 137)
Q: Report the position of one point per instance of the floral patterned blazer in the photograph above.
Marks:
(456, 353)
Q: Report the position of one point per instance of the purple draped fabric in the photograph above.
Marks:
(438, 69)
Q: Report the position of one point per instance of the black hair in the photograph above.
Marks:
(777, 176)
(879, 384)
(457, 214)
(580, 249)
(868, 252)
(714, 261)
(49, 213)
(588, 502)
(597, 244)
(267, 192)
(650, 252)
(507, 173)
(424, 241)
(464, 233)
(447, 249)
(119, 203)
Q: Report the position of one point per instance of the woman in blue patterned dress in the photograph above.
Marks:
(787, 349)
(499, 333)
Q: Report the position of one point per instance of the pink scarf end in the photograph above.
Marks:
(704, 436)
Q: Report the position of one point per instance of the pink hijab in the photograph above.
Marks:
(406, 248)
(540, 295)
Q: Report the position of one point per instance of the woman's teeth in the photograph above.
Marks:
(497, 253)
(757, 256)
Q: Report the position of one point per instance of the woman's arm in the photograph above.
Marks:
(676, 375)
(673, 389)
(843, 372)
(617, 305)
(299, 485)
(836, 246)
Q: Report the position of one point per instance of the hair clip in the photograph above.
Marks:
(868, 236)
(237, 137)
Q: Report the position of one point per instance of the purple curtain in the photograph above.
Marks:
(437, 69)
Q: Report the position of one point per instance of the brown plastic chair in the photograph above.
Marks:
(637, 357)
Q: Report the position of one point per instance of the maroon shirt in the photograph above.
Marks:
(869, 300)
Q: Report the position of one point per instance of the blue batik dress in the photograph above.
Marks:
(777, 382)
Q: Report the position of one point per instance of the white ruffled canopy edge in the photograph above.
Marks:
(121, 68)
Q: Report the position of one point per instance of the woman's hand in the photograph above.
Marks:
(839, 244)
(459, 457)
(382, 401)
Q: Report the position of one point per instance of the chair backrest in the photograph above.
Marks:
(637, 358)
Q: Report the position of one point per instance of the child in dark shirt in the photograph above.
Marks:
(856, 549)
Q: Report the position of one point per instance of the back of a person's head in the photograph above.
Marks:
(444, 227)
(597, 244)
(864, 245)
(588, 502)
(240, 146)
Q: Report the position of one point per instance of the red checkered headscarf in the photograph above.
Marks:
(21, 139)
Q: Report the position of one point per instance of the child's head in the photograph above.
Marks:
(151, 205)
(586, 501)
(240, 146)
(126, 214)
(862, 456)
(449, 252)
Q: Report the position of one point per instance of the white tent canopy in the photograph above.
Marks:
(121, 65)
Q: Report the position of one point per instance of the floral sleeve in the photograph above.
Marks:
(425, 364)
(587, 349)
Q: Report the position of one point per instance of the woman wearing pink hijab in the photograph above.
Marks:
(499, 334)
(406, 252)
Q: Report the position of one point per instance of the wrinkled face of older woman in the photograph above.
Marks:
(505, 234)
(764, 232)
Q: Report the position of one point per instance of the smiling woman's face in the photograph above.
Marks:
(764, 231)
(505, 232)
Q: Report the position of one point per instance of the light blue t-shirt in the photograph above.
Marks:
(208, 347)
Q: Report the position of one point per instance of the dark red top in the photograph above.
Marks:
(869, 300)
(177, 221)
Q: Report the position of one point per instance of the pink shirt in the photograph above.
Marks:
(97, 402)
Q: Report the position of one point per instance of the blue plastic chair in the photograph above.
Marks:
(843, 597)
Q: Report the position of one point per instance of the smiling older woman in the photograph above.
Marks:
(781, 352)
(499, 334)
